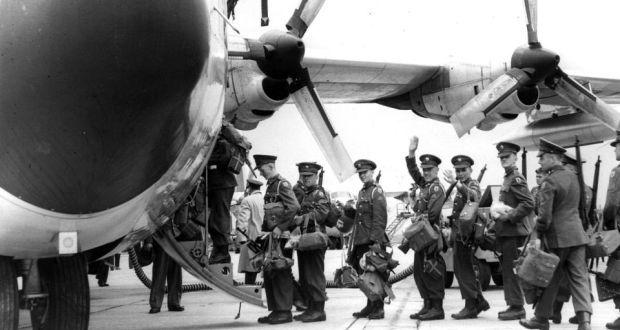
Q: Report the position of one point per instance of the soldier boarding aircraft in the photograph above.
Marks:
(110, 111)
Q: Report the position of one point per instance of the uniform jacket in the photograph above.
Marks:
(314, 206)
(299, 190)
(251, 213)
(280, 190)
(371, 216)
(611, 211)
(431, 197)
(558, 220)
(514, 193)
(536, 197)
(469, 188)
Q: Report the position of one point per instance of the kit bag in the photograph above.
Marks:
(316, 240)
(537, 266)
(612, 273)
(372, 285)
(606, 289)
(345, 276)
(420, 234)
(273, 212)
(602, 242)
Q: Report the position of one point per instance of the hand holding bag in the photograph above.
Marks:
(345, 276)
(537, 266)
(316, 240)
(274, 259)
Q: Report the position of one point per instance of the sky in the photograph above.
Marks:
(429, 32)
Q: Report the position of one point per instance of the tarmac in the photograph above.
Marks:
(124, 305)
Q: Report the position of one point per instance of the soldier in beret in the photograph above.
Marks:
(467, 189)
(512, 228)
(429, 268)
(611, 213)
(279, 285)
(559, 227)
(369, 227)
(311, 218)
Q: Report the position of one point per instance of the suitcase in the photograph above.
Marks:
(537, 267)
(420, 235)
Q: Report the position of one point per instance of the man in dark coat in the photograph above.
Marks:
(559, 227)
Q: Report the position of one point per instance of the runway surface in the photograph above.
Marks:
(124, 305)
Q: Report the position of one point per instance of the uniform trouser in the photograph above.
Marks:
(312, 274)
(164, 268)
(279, 285)
(508, 248)
(102, 272)
(573, 264)
(430, 287)
(220, 223)
(464, 270)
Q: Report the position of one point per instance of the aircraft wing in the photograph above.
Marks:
(350, 81)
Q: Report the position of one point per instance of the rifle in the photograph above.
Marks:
(523, 163)
(247, 162)
(583, 213)
(481, 174)
(378, 177)
(321, 177)
(252, 245)
(592, 211)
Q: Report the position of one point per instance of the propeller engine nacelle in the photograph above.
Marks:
(524, 99)
(252, 97)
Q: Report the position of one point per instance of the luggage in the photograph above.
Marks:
(612, 273)
(537, 266)
(606, 289)
(603, 243)
(421, 234)
(345, 277)
(316, 240)
(274, 259)
(465, 223)
(372, 285)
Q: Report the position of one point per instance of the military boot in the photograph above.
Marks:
(316, 314)
(219, 255)
(308, 310)
(281, 317)
(365, 311)
(435, 313)
(535, 323)
(557, 312)
(613, 325)
(573, 320)
(482, 304)
(424, 310)
(514, 312)
(377, 311)
(265, 319)
(584, 321)
(468, 312)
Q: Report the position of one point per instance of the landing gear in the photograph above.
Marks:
(67, 306)
(9, 302)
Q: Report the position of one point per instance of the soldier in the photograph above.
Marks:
(559, 227)
(226, 159)
(611, 212)
(249, 221)
(512, 228)
(368, 228)
(468, 189)
(279, 285)
(429, 268)
(314, 207)
(165, 269)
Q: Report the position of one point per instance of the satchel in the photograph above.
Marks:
(603, 243)
(465, 223)
(606, 289)
(273, 212)
(274, 259)
(537, 266)
(237, 159)
(612, 273)
(421, 234)
(371, 285)
(316, 240)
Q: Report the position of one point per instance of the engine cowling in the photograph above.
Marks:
(522, 100)
(252, 97)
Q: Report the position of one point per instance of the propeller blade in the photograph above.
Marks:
(576, 94)
(312, 111)
(483, 104)
(303, 16)
(531, 11)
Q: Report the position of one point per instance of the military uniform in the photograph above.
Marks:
(165, 269)
(559, 227)
(279, 283)
(429, 268)
(221, 182)
(314, 207)
(464, 258)
(611, 216)
(512, 232)
(368, 229)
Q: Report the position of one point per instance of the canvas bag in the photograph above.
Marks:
(316, 240)
(602, 242)
(274, 259)
(465, 223)
(537, 266)
(345, 276)
(273, 212)
(421, 234)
